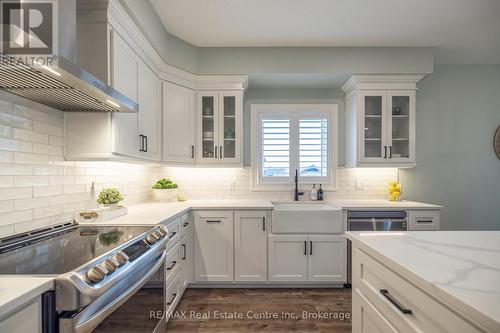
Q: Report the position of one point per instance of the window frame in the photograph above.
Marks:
(294, 112)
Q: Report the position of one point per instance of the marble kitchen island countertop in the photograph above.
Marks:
(461, 268)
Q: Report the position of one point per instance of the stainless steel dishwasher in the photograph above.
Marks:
(373, 221)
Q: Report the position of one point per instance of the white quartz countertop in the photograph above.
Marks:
(152, 213)
(16, 290)
(462, 268)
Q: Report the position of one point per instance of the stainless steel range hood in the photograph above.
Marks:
(66, 87)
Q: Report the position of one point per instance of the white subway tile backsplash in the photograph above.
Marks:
(48, 129)
(20, 134)
(6, 156)
(6, 181)
(15, 169)
(47, 191)
(47, 149)
(48, 211)
(5, 131)
(16, 217)
(49, 170)
(6, 206)
(28, 158)
(31, 181)
(5, 107)
(13, 121)
(56, 141)
(22, 204)
(15, 145)
(10, 193)
(28, 113)
(62, 180)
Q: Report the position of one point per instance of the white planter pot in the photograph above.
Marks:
(165, 195)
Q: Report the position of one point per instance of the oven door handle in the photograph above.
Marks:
(98, 317)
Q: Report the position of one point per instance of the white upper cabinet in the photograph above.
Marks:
(220, 127)
(124, 78)
(149, 113)
(178, 124)
(380, 120)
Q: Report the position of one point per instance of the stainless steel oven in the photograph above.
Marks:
(372, 221)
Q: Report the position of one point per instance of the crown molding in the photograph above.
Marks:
(379, 81)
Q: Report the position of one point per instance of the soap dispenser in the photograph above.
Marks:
(314, 193)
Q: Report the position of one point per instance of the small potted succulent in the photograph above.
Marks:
(165, 190)
(109, 197)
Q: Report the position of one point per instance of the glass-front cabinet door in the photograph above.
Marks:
(220, 127)
(208, 126)
(401, 125)
(373, 126)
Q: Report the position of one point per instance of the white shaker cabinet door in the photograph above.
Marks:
(250, 245)
(149, 113)
(214, 246)
(124, 78)
(288, 258)
(327, 258)
(178, 124)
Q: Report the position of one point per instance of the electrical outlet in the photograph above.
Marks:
(359, 184)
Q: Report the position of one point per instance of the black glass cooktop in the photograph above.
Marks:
(66, 251)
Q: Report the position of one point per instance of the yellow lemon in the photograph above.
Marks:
(398, 187)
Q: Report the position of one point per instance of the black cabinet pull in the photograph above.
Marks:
(424, 221)
(385, 151)
(185, 224)
(174, 296)
(172, 266)
(263, 224)
(394, 302)
(192, 151)
(390, 151)
(310, 248)
(216, 150)
(183, 251)
(145, 143)
(213, 221)
(172, 235)
(141, 143)
(305, 248)
(220, 152)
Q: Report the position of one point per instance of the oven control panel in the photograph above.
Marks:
(136, 250)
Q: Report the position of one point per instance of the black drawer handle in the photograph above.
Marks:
(185, 224)
(183, 251)
(305, 248)
(172, 235)
(174, 296)
(393, 301)
(172, 266)
(424, 221)
(213, 221)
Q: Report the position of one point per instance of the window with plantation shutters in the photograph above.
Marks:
(313, 149)
(275, 134)
(294, 137)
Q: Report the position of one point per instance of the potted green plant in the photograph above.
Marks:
(109, 197)
(165, 190)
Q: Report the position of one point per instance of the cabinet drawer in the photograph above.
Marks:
(423, 219)
(174, 232)
(172, 262)
(392, 295)
(172, 294)
(366, 319)
(186, 225)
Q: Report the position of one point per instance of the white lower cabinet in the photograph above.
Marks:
(287, 258)
(213, 246)
(386, 301)
(326, 258)
(250, 246)
(28, 318)
(319, 258)
(186, 256)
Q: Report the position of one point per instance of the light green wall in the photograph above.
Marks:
(173, 50)
(458, 110)
(361, 60)
(290, 95)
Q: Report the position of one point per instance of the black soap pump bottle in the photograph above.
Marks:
(320, 193)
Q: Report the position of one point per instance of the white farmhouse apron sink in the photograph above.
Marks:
(306, 218)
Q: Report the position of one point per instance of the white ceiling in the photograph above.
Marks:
(463, 31)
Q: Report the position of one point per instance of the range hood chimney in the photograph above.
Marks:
(66, 87)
